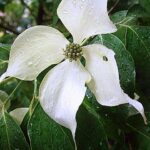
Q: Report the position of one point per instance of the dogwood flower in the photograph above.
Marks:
(63, 88)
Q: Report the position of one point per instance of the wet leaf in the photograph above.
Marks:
(11, 136)
(47, 133)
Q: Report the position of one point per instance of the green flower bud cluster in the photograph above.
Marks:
(73, 51)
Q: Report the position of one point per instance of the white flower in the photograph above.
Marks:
(63, 88)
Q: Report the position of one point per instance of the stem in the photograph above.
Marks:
(35, 88)
(34, 99)
(84, 41)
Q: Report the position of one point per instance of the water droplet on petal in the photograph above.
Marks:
(74, 1)
(30, 63)
(65, 12)
(81, 6)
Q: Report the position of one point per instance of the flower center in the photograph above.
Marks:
(73, 52)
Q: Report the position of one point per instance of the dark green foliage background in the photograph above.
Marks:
(99, 128)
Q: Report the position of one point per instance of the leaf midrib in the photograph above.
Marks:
(6, 129)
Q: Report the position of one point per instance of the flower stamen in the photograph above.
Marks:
(73, 52)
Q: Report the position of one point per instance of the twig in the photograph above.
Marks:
(40, 14)
(23, 3)
(29, 8)
(9, 29)
(116, 3)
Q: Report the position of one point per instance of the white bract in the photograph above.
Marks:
(63, 88)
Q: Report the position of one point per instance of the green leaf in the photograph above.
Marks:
(138, 11)
(46, 134)
(121, 17)
(137, 43)
(55, 17)
(136, 39)
(139, 132)
(124, 60)
(143, 17)
(3, 96)
(23, 95)
(14, 9)
(11, 136)
(90, 133)
(100, 127)
(4, 54)
(145, 4)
